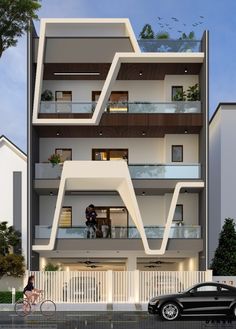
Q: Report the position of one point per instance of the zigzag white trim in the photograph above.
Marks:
(109, 176)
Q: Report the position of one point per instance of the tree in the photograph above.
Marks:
(147, 32)
(163, 35)
(9, 238)
(51, 267)
(224, 261)
(14, 20)
(10, 264)
(190, 36)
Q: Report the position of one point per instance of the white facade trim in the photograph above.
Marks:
(16, 150)
(109, 176)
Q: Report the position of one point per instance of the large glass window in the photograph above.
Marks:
(178, 215)
(118, 101)
(109, 154)
(177, 153)
(176, 93)
(65, 154)
(64, 99)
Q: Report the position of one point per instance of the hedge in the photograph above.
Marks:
(6, 296)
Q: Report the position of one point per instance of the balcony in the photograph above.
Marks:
(174, 46)
(87, 108)
(122, 232)
(144, 171)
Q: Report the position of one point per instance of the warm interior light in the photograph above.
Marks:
(76, 73)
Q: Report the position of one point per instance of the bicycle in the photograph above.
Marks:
(46, 306)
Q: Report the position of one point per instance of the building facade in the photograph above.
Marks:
(222, 178)
(108, 108)
(13, 188)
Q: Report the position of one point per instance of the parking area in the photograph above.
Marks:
(108, 320)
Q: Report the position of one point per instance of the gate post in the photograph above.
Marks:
(136, 286)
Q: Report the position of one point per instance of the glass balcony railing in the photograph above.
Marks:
(144, 171)
(122, 107)
(165, 45)
(67, 107)
(122, 232)
(191, 171)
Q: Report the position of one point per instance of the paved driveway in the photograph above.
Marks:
(108, 320)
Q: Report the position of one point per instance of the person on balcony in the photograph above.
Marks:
(91, 221)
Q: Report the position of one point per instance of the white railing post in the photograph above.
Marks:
(13, 295)
(109, 281)
(136, 286)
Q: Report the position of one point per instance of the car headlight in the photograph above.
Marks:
(153, 301)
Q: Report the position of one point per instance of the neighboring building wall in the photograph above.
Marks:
(141, 150)
(13, 178)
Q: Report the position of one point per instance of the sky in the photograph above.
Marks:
(218, 18)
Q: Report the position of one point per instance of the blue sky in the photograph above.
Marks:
(219, 19)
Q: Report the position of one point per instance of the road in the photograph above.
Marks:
(108, 320)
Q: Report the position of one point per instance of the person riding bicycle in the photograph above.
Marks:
(30, 291)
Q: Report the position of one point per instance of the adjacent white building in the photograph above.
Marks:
(222, 174)
(13, 188)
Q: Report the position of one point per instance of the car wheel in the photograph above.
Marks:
(170, 311)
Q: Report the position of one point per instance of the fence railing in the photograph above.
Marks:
(114, 286)
(153, 45)
(121, 232)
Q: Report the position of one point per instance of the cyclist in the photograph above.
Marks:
(31, 292)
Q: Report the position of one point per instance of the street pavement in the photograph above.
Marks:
(109, 320)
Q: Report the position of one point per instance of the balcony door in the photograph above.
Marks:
(109, 154)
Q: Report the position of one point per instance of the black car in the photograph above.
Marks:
(206, 298)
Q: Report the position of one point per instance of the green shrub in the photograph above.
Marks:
(6, 296)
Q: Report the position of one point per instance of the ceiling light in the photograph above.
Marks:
(140, 73)
(100, 133)
(143, 193)
(186, 131)
(185, 70)
(143, 133)
(51, 193)
(58, 134)
(76, 73)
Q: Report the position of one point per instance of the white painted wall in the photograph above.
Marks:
(178, 80)
(10, 161)
(189, 264)
(141, 150)
(154, 209)
(151, 91)
(190, 147)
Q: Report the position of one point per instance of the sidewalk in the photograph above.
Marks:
(129, 307)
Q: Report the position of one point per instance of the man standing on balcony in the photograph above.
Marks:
(91, 221)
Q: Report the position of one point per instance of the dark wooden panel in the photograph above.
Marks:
(129, 125)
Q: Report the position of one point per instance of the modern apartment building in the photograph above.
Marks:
(222, 178)
(13, 188)
(105, 102)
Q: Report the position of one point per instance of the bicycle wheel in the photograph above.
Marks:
(48, 307)
(22, 307)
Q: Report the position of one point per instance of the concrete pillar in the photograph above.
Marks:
(131, 263)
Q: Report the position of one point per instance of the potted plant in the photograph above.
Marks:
(193, 93)
(47, 95)
(54, 159)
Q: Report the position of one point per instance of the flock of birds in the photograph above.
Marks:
(168, 26)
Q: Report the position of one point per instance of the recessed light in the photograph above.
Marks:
(143, 193)
(186, 131)
(58, 134)
(185, 70)
(140, 73)
(100, 133)
(143, 133)
(51, 193)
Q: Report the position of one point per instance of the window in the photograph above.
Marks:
(207, 288)
(64, 99)
(176, 93)
(177, 153)
(178, 215)
(118, 101)
(66, 217)
(117, 216)
(65, 154)
(109, 154)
